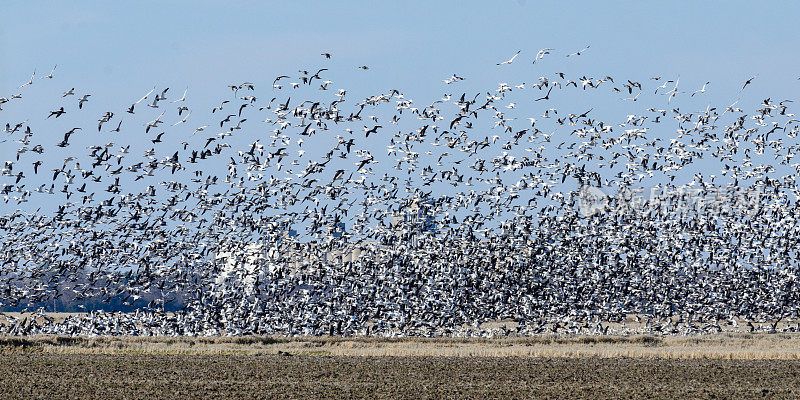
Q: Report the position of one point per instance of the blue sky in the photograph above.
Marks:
(118, 51)
(131, 45)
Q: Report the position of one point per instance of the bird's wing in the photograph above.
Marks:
(145, 96)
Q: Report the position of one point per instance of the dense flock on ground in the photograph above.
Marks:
(563, 204)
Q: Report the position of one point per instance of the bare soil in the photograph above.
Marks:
(33, 371)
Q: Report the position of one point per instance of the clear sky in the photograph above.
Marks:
(128, 46)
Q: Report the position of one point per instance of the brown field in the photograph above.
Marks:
(720, 366)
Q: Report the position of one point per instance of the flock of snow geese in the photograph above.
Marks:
(301, 209)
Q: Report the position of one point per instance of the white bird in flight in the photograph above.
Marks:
(579, 52)
(200, 129)
(510, 60)
(29, 82)
(702, 90)
(145, 96)
(183, 120)
(183, 98)
(51, 73)
(540, 55)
